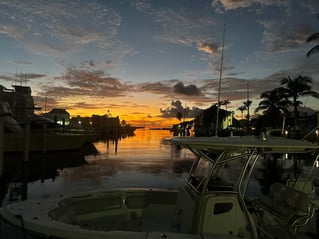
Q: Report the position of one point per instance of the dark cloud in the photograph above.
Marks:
(175, 107)
(205, 92)
(85, 80)
(32, 76)
(86, 105)
(190, 90)
(26, 77)
(235, 89)
(155, 88)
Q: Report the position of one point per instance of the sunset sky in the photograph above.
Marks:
(145, 60)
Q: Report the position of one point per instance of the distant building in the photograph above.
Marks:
(59, 116)
(205, 122)
(102, 124)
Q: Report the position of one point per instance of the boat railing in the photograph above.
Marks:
(290, 207)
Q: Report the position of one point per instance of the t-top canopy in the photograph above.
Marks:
(241, 144)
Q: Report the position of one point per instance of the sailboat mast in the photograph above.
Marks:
(219, 84)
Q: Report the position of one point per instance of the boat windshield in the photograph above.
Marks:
(217, 172)
(201, 168)
(250, 166)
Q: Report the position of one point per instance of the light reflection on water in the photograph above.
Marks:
(143, 160)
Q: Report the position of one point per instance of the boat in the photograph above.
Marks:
(46, 142)
(215, 201)
(22, 137)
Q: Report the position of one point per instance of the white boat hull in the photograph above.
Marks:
(134, 213)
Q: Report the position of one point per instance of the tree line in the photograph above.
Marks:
(276, 104)
(284, 101)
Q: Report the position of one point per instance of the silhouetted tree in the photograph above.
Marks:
(295, 88)
(179, 115)
(274, 106)
(247, 104)
(225, 102)
(242, 109)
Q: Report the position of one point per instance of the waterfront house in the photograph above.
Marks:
(59, 116)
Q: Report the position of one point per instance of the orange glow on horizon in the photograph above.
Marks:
(134, 119)
(137, 110)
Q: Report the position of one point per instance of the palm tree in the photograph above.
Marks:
(247, 104)
(242, 109)
(274, 101)
(274, 106)
(225, 102)
(295, 88)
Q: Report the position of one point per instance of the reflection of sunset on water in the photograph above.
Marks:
(145, 145)
(143, 160)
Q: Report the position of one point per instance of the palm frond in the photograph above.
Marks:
(310, 93)
(313, 37)
(313, 50)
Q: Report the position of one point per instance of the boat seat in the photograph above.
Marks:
(305, 185)
(289, 206)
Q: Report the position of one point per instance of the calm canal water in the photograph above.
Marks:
(142, 160)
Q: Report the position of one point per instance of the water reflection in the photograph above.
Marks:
(17, 174)
(143, 160)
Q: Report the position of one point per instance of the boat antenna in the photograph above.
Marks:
(248, 104)
(220, 82)
(45, 103)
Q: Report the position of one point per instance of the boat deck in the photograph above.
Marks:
(133, 211)
(155, 217)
